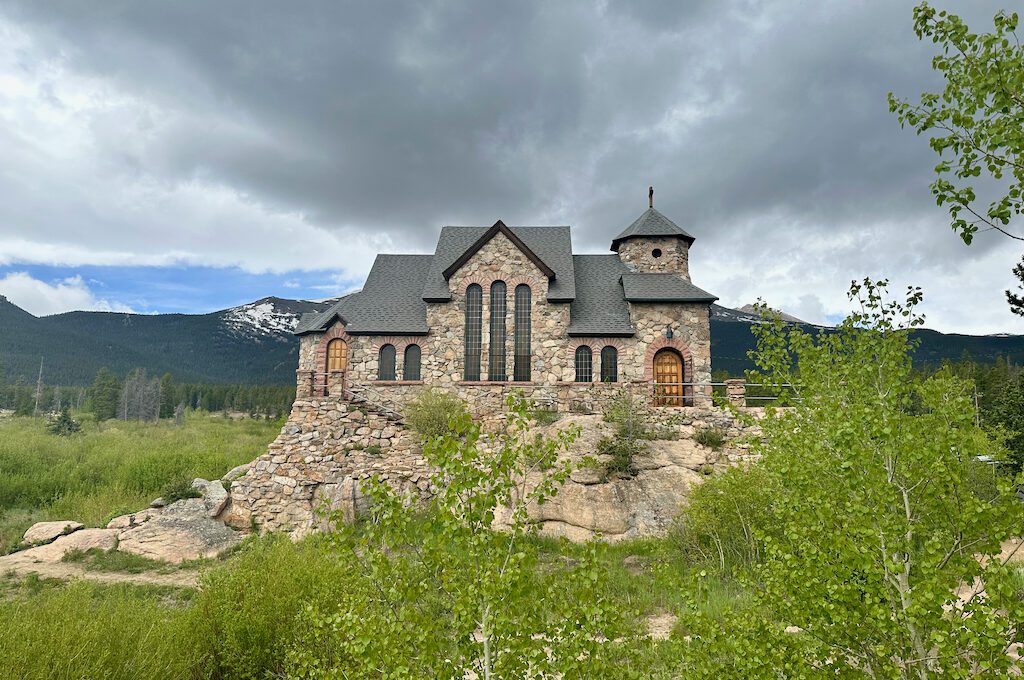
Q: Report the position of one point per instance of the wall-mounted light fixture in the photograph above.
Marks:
(668, 332)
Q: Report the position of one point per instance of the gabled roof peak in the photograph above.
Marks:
(651, 224)
(499, 227)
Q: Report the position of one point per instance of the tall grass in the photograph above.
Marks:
(111, 468)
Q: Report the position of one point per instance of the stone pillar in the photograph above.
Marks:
(336, 384)
(304, 384)
(736, 392)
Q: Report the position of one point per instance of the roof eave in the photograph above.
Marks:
(707, 300)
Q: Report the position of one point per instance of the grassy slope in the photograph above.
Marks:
(111, 468)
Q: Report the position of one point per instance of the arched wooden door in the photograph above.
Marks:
(668, 378)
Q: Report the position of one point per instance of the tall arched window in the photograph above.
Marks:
(609, 364)
(411, 363)
(521, 369)
(337, 355)
(584, 364)
(386, 367)
(496, 369)
(474, 325)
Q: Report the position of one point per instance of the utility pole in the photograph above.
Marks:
(39, 388)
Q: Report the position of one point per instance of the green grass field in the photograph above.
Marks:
(113, 467)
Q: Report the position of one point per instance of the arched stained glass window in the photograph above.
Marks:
(523, 329)
(386, 367)
(496, 368)
(584, 364)
(609, 364)
(411, 364)
(474, 325)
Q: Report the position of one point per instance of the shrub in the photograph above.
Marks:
(373, 450)
(431, 413)
(179, 490)
(719, 526)
(63, 425)
(711, 437)
(630, 416)
(622, 452)
(545, 416)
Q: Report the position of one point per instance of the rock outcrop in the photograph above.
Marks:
(175, 533)
(83, 539)
(328, 448)
(45, 532)
(183, 531)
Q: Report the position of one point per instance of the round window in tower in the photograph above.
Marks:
(656, 252)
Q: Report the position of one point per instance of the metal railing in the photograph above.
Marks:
(736, 392)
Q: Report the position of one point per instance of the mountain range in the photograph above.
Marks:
(253, 344)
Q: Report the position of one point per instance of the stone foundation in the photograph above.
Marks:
(329, 448)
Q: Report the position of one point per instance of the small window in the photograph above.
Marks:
(656, 252)
(337, 355)
(386, 368)
(584, 364)
(411, 365)
(609, 364)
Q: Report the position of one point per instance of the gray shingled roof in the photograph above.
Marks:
(662, 288)
(553, 245)
(599, 308)
(599, 288)
(391, 301)
(651, 223)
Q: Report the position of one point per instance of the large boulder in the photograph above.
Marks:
(83, 539)
(46, 532)
(183, 531)
(215, 497)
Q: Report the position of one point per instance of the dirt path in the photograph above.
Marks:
(21, 565)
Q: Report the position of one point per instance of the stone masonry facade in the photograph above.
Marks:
(553, 350)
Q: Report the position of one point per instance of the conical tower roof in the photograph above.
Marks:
(651, 224)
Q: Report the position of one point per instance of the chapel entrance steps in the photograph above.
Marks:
(357, 395)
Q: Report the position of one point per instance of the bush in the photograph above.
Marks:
(711, 437)
(545, 416)
(431, 413)
(63, 425)
(622, 452)
(179, 490)
(720, 525)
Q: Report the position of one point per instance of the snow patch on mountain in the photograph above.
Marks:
(260, 318)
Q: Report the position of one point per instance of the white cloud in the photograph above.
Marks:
(41, 298)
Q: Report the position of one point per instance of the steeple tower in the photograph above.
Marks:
(654, 244)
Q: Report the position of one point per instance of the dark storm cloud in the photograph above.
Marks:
(763, 125)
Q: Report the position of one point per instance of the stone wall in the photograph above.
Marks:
(638, 254)
(322, 454)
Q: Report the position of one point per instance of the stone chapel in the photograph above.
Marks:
(512, 307)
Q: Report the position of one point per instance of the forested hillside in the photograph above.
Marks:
(252, 344)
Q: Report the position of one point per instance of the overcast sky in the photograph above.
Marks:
(187, 156)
